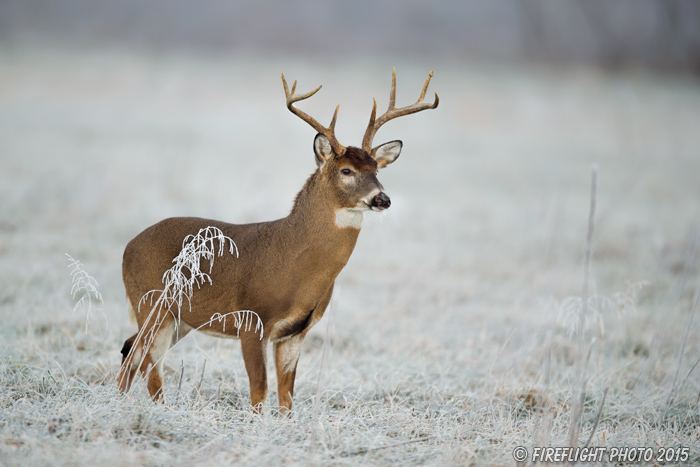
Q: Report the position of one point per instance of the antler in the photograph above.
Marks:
(392, 112)
(329, 132)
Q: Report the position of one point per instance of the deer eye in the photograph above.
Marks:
(346, 172)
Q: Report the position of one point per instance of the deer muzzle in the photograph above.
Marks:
(381, 201)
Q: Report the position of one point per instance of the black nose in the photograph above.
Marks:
(381, 201)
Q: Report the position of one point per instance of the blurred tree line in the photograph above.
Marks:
(656, 34)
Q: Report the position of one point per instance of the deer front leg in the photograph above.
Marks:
(287, 353)
(255, 358)
(286, 358)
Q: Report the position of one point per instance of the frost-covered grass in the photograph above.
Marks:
(179, 285)
(450, 340)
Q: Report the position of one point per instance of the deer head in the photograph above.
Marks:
(351, 172)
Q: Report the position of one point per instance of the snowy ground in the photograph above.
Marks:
(451, 325)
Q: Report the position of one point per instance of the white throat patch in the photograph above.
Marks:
(349, 217)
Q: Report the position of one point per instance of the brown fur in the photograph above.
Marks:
(358, 158)
(285, 271)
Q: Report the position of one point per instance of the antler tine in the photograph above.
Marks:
(335, 116)
(425, 87)
(373, 115)
(392, 112)
(329, 132)
(392, 93)
(293, 97)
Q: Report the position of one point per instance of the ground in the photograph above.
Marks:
(451, 338)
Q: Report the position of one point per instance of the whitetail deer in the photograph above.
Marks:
(286, 268)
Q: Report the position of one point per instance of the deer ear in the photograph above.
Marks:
(322, 149)
(387, 153)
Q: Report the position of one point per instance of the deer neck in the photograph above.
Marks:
(321, 222)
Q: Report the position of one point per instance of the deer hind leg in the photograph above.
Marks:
(286, 358)
(144, 353)
(255, 358)
(128, 369)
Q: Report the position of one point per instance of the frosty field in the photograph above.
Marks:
(451, 336)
